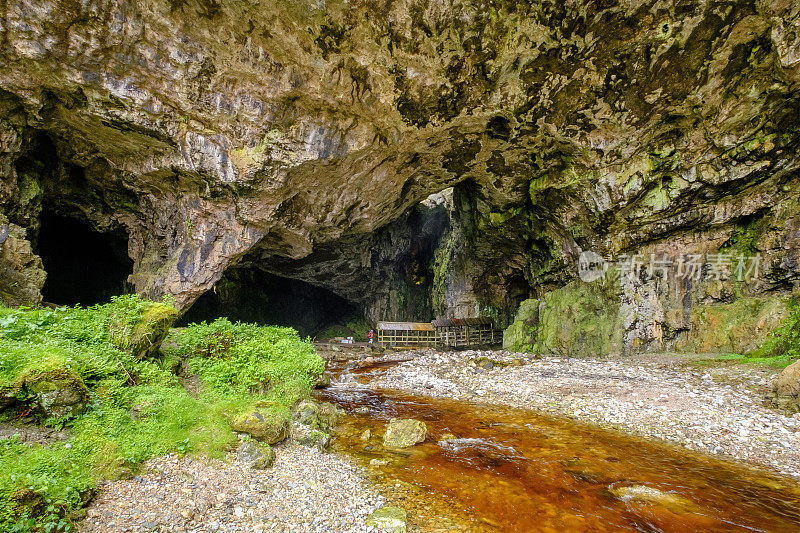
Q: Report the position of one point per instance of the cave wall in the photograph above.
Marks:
(301, 135)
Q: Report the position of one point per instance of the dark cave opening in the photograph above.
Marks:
(251, 295)
(83, 266)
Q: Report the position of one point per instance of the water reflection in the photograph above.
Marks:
(515, 470)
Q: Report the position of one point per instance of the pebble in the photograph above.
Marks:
(305, 491)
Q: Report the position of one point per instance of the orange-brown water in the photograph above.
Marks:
(516, 470)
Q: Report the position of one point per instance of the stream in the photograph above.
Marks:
(505, 469)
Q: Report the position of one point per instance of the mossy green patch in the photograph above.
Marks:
(131, 409)
(579, 319)
(737, 327)
(140, 327)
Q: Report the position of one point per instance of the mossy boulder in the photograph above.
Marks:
(141, 333)
(265, 425)
(313, 422)
(403, 433)
(258, 456)
(317, 415)
(787, 384)
(310, 436)
(389, 519)
(58, 393)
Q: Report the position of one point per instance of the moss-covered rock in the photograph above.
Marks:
(521, 335)
(738, 327)
(403, 433)
(265, 425)
(141, 331)
(787, 384)
(58, 393)
(309, 436)
(258, 456)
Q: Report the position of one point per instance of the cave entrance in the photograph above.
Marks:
(251, 295)
(83, 266)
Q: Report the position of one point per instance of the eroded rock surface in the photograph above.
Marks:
(300, 138)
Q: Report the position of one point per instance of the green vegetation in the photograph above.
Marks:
(782, 346)
(62, 367)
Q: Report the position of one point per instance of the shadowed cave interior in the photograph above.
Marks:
(251, 295)
(83, 266)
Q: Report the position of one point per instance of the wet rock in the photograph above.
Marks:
(258, 456)
(366, 435)
(309, 436)
(389, 519)
(264, 425)
(323, 381)
(403, 433)
(787, 383)
(645, 494)
(142, 335)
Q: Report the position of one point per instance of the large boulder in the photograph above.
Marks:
(310, 436)
(402, 433)
(318, 415)
(142, 335)
(787, 384)
(265, 425)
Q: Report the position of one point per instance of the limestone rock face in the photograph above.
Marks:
(21, 273)
(403, 433)
(418, 158)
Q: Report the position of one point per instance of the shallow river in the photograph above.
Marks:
(514, 470)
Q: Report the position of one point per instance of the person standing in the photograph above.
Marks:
(370, 336)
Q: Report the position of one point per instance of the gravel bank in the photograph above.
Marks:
(718, 410)
(305, 490)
